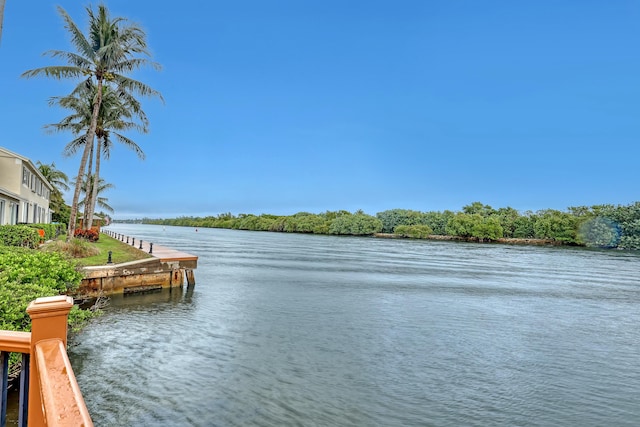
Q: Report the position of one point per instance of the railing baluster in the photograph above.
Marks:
(4, 368)
(24, 391)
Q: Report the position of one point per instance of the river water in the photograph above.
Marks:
(304, 330)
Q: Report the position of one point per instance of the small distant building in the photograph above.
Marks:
(97, 222)
(24, 191)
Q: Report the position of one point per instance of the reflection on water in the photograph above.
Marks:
(160, 298)
(318, 330)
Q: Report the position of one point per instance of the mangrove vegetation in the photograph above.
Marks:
(603, 226)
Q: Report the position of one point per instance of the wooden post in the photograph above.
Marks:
(191, 280)
(48, 320)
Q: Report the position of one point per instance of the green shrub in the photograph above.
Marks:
(79, 317)
(19, 235)
(488, 229)
(629, 242)
(599, 232)
(396, 217)
(560, 226)
(358, 224)
(462, 224)
(413, 231)
(51, 231)
(26, 275)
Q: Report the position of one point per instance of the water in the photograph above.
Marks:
(303, 330)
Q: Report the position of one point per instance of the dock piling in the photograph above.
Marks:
(191, 280)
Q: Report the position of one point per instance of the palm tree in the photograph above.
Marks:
(115, 114)
(58, 179)
(112, 49)
(101, 187)
(60, 182)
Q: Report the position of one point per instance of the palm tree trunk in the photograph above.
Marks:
(91, 207)
(2, 2)
(83, 163)
(88, 184)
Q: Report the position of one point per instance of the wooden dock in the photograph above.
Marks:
(166, 254)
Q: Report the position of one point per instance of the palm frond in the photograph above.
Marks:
(57, 72)
(131, 145)
(77, 38)
(73, 146)
(136, 86)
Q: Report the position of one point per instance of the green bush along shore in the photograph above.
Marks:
(603, 226)
(30, 269)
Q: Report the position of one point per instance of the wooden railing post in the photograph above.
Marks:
(48, 320)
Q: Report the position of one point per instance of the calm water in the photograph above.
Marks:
(298, 330)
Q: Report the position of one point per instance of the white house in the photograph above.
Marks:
(24, 191)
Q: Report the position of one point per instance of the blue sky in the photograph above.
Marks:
(284, 106)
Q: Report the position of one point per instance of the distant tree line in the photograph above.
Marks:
(604, 226)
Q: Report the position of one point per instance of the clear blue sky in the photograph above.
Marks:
(284, 106)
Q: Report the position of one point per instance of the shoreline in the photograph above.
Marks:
(502, 240)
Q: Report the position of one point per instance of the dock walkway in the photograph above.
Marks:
(166, 254)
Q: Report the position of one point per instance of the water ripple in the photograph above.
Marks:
(296, 330)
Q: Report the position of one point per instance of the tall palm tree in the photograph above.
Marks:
(112, 48)
(117, 113)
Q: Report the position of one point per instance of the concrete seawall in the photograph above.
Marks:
(167, 268)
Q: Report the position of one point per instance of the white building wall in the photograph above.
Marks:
(21, 179)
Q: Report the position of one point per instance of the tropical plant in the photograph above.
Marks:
(413, 231)
(478, 208)
(112, 48)
(600, 232)
(524, 226)
(508, 220)
(395, 217)
(101, 187)
(488, 229)
(27, 275)
(556, 225)
(437, 221)
(59, 181)
(462, 224)
(19, 235)
(116, 114)
(304, 222)
(605, 226)
(87, 234)
(358, 224)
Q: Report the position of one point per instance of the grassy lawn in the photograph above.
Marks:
(120, 252)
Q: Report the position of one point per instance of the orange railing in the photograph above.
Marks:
(49, 394)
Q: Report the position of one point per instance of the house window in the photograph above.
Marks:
(25, 176)
(2, 203)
